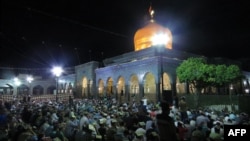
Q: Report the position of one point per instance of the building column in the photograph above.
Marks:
(158, 91)
(15, 91)
(173, 86)
(141, 91)
(126, 93)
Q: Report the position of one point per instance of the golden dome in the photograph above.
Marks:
(152, 34)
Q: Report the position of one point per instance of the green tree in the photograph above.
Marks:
(194, 71)
(200, 74)
(226, 75)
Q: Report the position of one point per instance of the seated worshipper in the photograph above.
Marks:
(71, 127)
(202, 119)
(182, 130)
(103, 128)
(27, 134)
(85, 134)
(84, 120)
(197, 134)
(141, 129)
(216, 136)
(58, 133)
(139, 136)
(218, 125)
(151, 133)
(111, 131)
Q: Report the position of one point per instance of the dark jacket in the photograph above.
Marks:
(166, 128)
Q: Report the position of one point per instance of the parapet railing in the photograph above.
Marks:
(52, 97)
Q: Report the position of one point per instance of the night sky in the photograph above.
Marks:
(40, 34)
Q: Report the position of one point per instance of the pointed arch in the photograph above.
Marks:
(101, 88)
(51, 89)
(84, 86)
(110, 89)
(149, 86)
(166, 82)
(23, 90)
(120, 88)
(134, 87)
(37, 90)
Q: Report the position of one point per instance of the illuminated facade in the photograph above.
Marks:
(149, 71)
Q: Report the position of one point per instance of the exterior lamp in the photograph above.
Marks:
(29, 79)
(57, 71)
(17, 81)
(160, 39)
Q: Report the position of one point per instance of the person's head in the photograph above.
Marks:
(217, 130)
(179, 124)
(165, 106)
(199, 127)
(87, 129)
(113, 122)
(183, 98)
(139, 135)
(142, 124)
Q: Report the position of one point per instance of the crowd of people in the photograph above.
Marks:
(108, 120)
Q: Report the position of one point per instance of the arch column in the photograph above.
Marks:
(15, 91)
(158, 91)
(116, 92)
(187, 88)
(141, 91)
(159, 85)
(173, 86)
(127, 93)
(88, 90)
(30, 90)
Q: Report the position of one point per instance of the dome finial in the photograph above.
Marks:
(151, 11)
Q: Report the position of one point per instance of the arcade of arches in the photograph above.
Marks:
(132, 89)
(37, 89)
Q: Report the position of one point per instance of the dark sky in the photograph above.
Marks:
(40, 34)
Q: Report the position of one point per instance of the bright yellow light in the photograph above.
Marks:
(17, 81)
(30, 79)
(57, 71)
(160, 39)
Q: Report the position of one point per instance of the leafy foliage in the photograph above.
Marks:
(201, 74)
(192, 71)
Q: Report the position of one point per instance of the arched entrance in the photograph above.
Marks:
(6, 89)
(51, 89)
(22, 90)
(101, 88)
(84, 87)
(150, 87)
(166, 82)
(37, 90)
(110, 90)
(121, 89)
(134, 89)
(166, 89)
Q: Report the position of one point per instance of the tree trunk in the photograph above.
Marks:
(196, 97)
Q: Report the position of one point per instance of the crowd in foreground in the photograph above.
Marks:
(108, 120)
